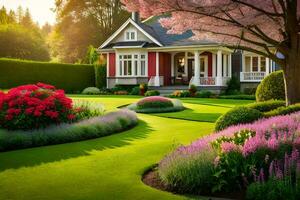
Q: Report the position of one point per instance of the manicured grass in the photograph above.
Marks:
(104, 168)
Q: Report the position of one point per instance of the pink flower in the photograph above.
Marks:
(229, 147)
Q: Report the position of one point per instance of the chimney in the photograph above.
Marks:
(135, 16)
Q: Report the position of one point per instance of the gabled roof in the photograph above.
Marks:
(157, 34)
(138, 26)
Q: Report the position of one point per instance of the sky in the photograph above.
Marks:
(39, 9)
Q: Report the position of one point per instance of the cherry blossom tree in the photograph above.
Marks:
(265, 27)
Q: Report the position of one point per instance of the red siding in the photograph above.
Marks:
(112, 64)
(165, 67)
(151, 64)
(209, 55)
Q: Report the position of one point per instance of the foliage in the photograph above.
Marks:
(71, 78)
(121, 92)
(100, 75)
(238, 115)
(283, 110)
(188, 172)
(87, 109)
(135, 91)
(233, 86)
(180, 93)
(127, 88)
(240, 96)
(193, 90)
(271, 88)
(86, 129)
(267, 105)
(20, 37)
(143, 89)
(19, 42)
(152, 93)
(34, 106)
(91, 91)
(154, 102)
(204, 94)
(79, 19)
(243, 154)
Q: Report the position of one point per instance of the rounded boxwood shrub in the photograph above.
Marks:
(154, 102)
(152, 93)
(238, 115)
(34, 106)
(91, 91)
(272, 87)
(267, 105)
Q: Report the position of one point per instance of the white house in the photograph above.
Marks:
(143, 52)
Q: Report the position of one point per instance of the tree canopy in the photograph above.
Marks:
(263, 27)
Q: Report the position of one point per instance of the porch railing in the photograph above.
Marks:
(252, 76)
(208, 81)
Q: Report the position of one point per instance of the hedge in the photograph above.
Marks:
(70, 77)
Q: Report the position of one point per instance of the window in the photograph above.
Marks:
(255, 64)
(130, 35)
(132, 65)
(263, 64)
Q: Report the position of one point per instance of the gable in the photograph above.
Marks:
(119, 35)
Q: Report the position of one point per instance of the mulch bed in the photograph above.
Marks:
(151, 178)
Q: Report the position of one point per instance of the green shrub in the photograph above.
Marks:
(204, 94)
(271, 88)
(238, 115)
(83, 130)
(273, 189)
(191, 173)
(267, 105)
(193, 90)
(154, 102)
(100, 76)
(250, 91)
(135, 91)
(283, 110)
(241, 97)
(122, 88)
(233, 86)
(91, 91)
(71, 78)
(152, 93)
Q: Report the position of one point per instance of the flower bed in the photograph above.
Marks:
(237, 157)
(56, 134)
(156, 104)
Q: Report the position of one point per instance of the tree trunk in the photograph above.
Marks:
(292, 80)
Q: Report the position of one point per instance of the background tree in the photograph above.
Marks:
(81, 23)
(20, 37)
(263, 27)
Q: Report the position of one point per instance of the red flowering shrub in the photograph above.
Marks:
(34, 106)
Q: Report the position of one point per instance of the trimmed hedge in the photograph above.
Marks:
(150, 93)
(70, 77)
(239, 96)
(271, 88)
(266, 106)
(238, 115)
(283, 110)
(96, 127)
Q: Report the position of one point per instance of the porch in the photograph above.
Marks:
(202, 68)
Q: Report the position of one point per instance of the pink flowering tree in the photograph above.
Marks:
(265, 27)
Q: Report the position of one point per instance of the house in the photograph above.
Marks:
(143, 52)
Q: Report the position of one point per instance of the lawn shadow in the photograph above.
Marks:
(40, 155)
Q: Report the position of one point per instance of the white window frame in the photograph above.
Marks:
(130, 32)
(251, 63)
(136, 58)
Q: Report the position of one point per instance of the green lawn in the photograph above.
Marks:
(109, 167)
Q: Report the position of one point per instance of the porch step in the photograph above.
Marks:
(167, 90)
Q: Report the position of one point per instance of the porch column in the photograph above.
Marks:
(186, 73)
(107, 70)
(225, 65)
(219, 68)
(197, 68)
(214, 65)
(267, 65)
(172, 64)
(230, 65)
(157, 79)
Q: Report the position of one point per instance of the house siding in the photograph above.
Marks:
(112, 64)
(165, 67)
(151, 64)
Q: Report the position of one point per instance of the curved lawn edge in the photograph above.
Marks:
(111, 123)
(155, 110)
